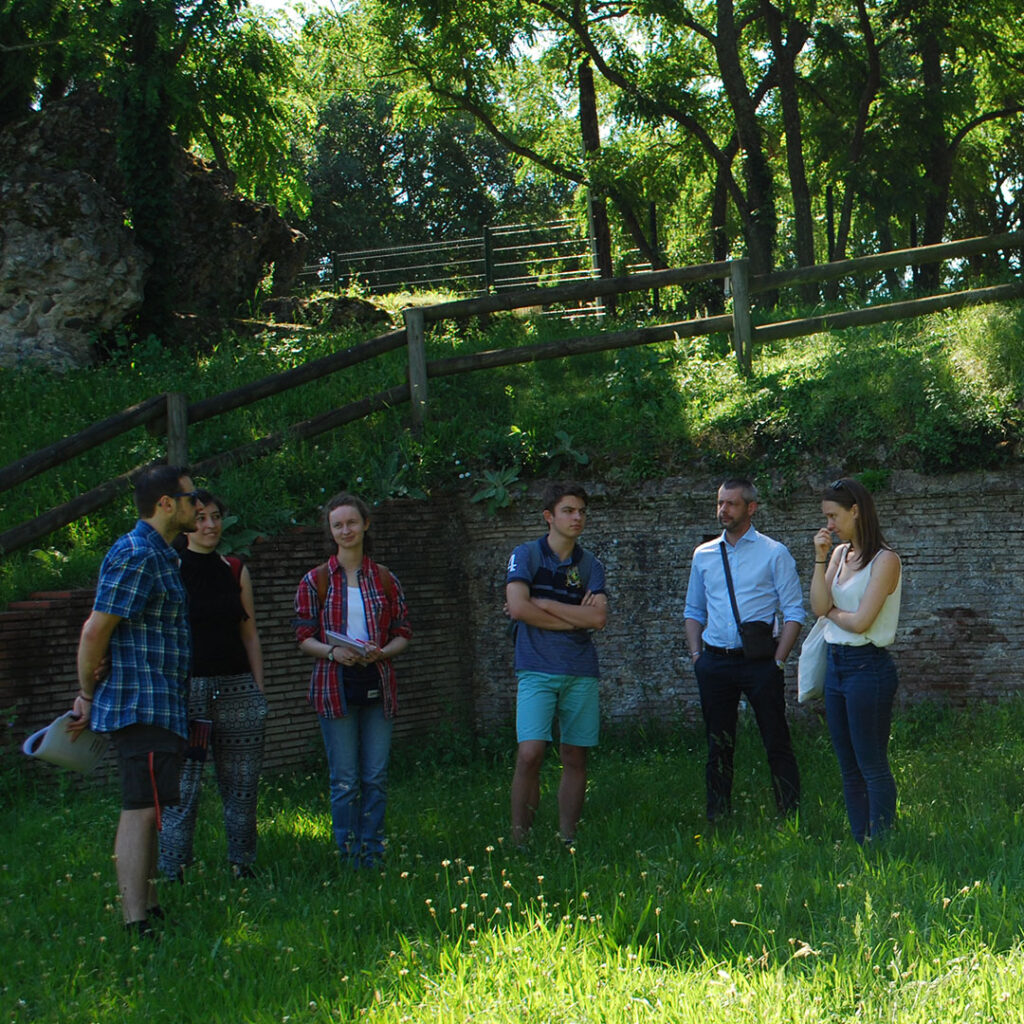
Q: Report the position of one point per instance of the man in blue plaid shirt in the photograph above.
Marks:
(140, 621)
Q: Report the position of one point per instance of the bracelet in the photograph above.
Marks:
(85, 696)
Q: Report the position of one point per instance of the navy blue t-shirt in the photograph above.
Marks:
(557, 652)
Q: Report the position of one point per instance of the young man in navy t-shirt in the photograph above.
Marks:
(555, 592)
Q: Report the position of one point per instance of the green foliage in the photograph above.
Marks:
(781, 131)
(648, 918)
(502, 487)
(381, 173)
(564, 455)
(242, 106)
(943, 396)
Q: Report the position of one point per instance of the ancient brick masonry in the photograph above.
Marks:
(960, 634)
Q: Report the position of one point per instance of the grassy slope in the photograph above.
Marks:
(935, 395)
(649, 919)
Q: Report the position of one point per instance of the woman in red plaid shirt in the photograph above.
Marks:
(351, 617)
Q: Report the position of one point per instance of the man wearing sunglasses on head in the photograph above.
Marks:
(139, 625)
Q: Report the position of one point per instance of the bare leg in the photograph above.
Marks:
(135, 852)
(572, 789)
(526, 788)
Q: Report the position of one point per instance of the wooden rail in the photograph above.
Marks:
(171, 414)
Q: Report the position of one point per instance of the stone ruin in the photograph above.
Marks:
(70, 266)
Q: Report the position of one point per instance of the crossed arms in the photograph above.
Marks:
(546, 613)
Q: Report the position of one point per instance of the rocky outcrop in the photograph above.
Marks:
(68, 268)
(70, 265)
(327, 311)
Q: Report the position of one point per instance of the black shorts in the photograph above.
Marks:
(149, 759)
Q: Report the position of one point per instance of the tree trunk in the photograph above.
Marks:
(591, 134)
(937, 155)
(786, 52)
(851, 185)
(761, 226)
(146, 151)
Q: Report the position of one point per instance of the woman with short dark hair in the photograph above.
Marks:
(227, 709)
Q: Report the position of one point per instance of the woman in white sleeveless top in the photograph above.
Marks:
(858, 589)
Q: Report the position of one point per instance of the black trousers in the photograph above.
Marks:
(722, 680)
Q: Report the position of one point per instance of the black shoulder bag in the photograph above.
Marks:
(756, 637)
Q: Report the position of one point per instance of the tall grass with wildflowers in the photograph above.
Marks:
(649, 918)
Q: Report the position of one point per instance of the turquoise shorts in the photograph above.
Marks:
(573, 698)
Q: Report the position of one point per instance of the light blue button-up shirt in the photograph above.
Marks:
(764, 578)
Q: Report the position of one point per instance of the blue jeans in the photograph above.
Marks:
(358, 746)
(722, 680)
(860, 684)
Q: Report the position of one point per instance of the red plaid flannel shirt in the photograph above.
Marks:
(385, 619)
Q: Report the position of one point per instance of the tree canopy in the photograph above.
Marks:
(789, 131)
(782, 131)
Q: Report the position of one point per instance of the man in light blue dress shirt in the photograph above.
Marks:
(767, 588)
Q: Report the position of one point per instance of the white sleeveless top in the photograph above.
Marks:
(847, 595)
(356, 626)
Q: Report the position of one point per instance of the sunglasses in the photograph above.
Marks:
(193, 496)
(837, 485)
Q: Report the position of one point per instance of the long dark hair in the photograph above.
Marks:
(345, 498)
(848, 492)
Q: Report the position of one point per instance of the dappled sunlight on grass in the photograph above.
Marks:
(649, 916)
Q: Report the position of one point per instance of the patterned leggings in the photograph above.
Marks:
(238, 711)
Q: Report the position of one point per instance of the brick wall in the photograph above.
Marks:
(960, 632)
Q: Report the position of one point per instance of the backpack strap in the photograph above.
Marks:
(585, 565)
(235, 564)
(320, 581)
(320, 578)
(388, 582)
(533, 558)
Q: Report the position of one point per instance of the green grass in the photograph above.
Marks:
(649, 919)
(936, 395)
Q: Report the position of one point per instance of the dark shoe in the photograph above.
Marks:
(140, 929)
(240, 871)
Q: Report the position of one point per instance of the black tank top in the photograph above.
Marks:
(215, 614)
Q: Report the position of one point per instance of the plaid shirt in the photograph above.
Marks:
(150, 647)
(385, 619)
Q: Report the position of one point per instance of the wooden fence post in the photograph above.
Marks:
(742, 328)
(652, 217)
(177, 429)
(417, 365)
(488, 241)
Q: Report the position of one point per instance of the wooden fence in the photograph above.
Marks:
(508, 257)
(171, 414)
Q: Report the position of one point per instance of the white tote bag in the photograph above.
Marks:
(810, 672)
(54, 744)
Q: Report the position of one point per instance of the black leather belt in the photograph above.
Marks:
(725, 652)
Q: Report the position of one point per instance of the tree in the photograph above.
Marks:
(382, 173)
(879, 97)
